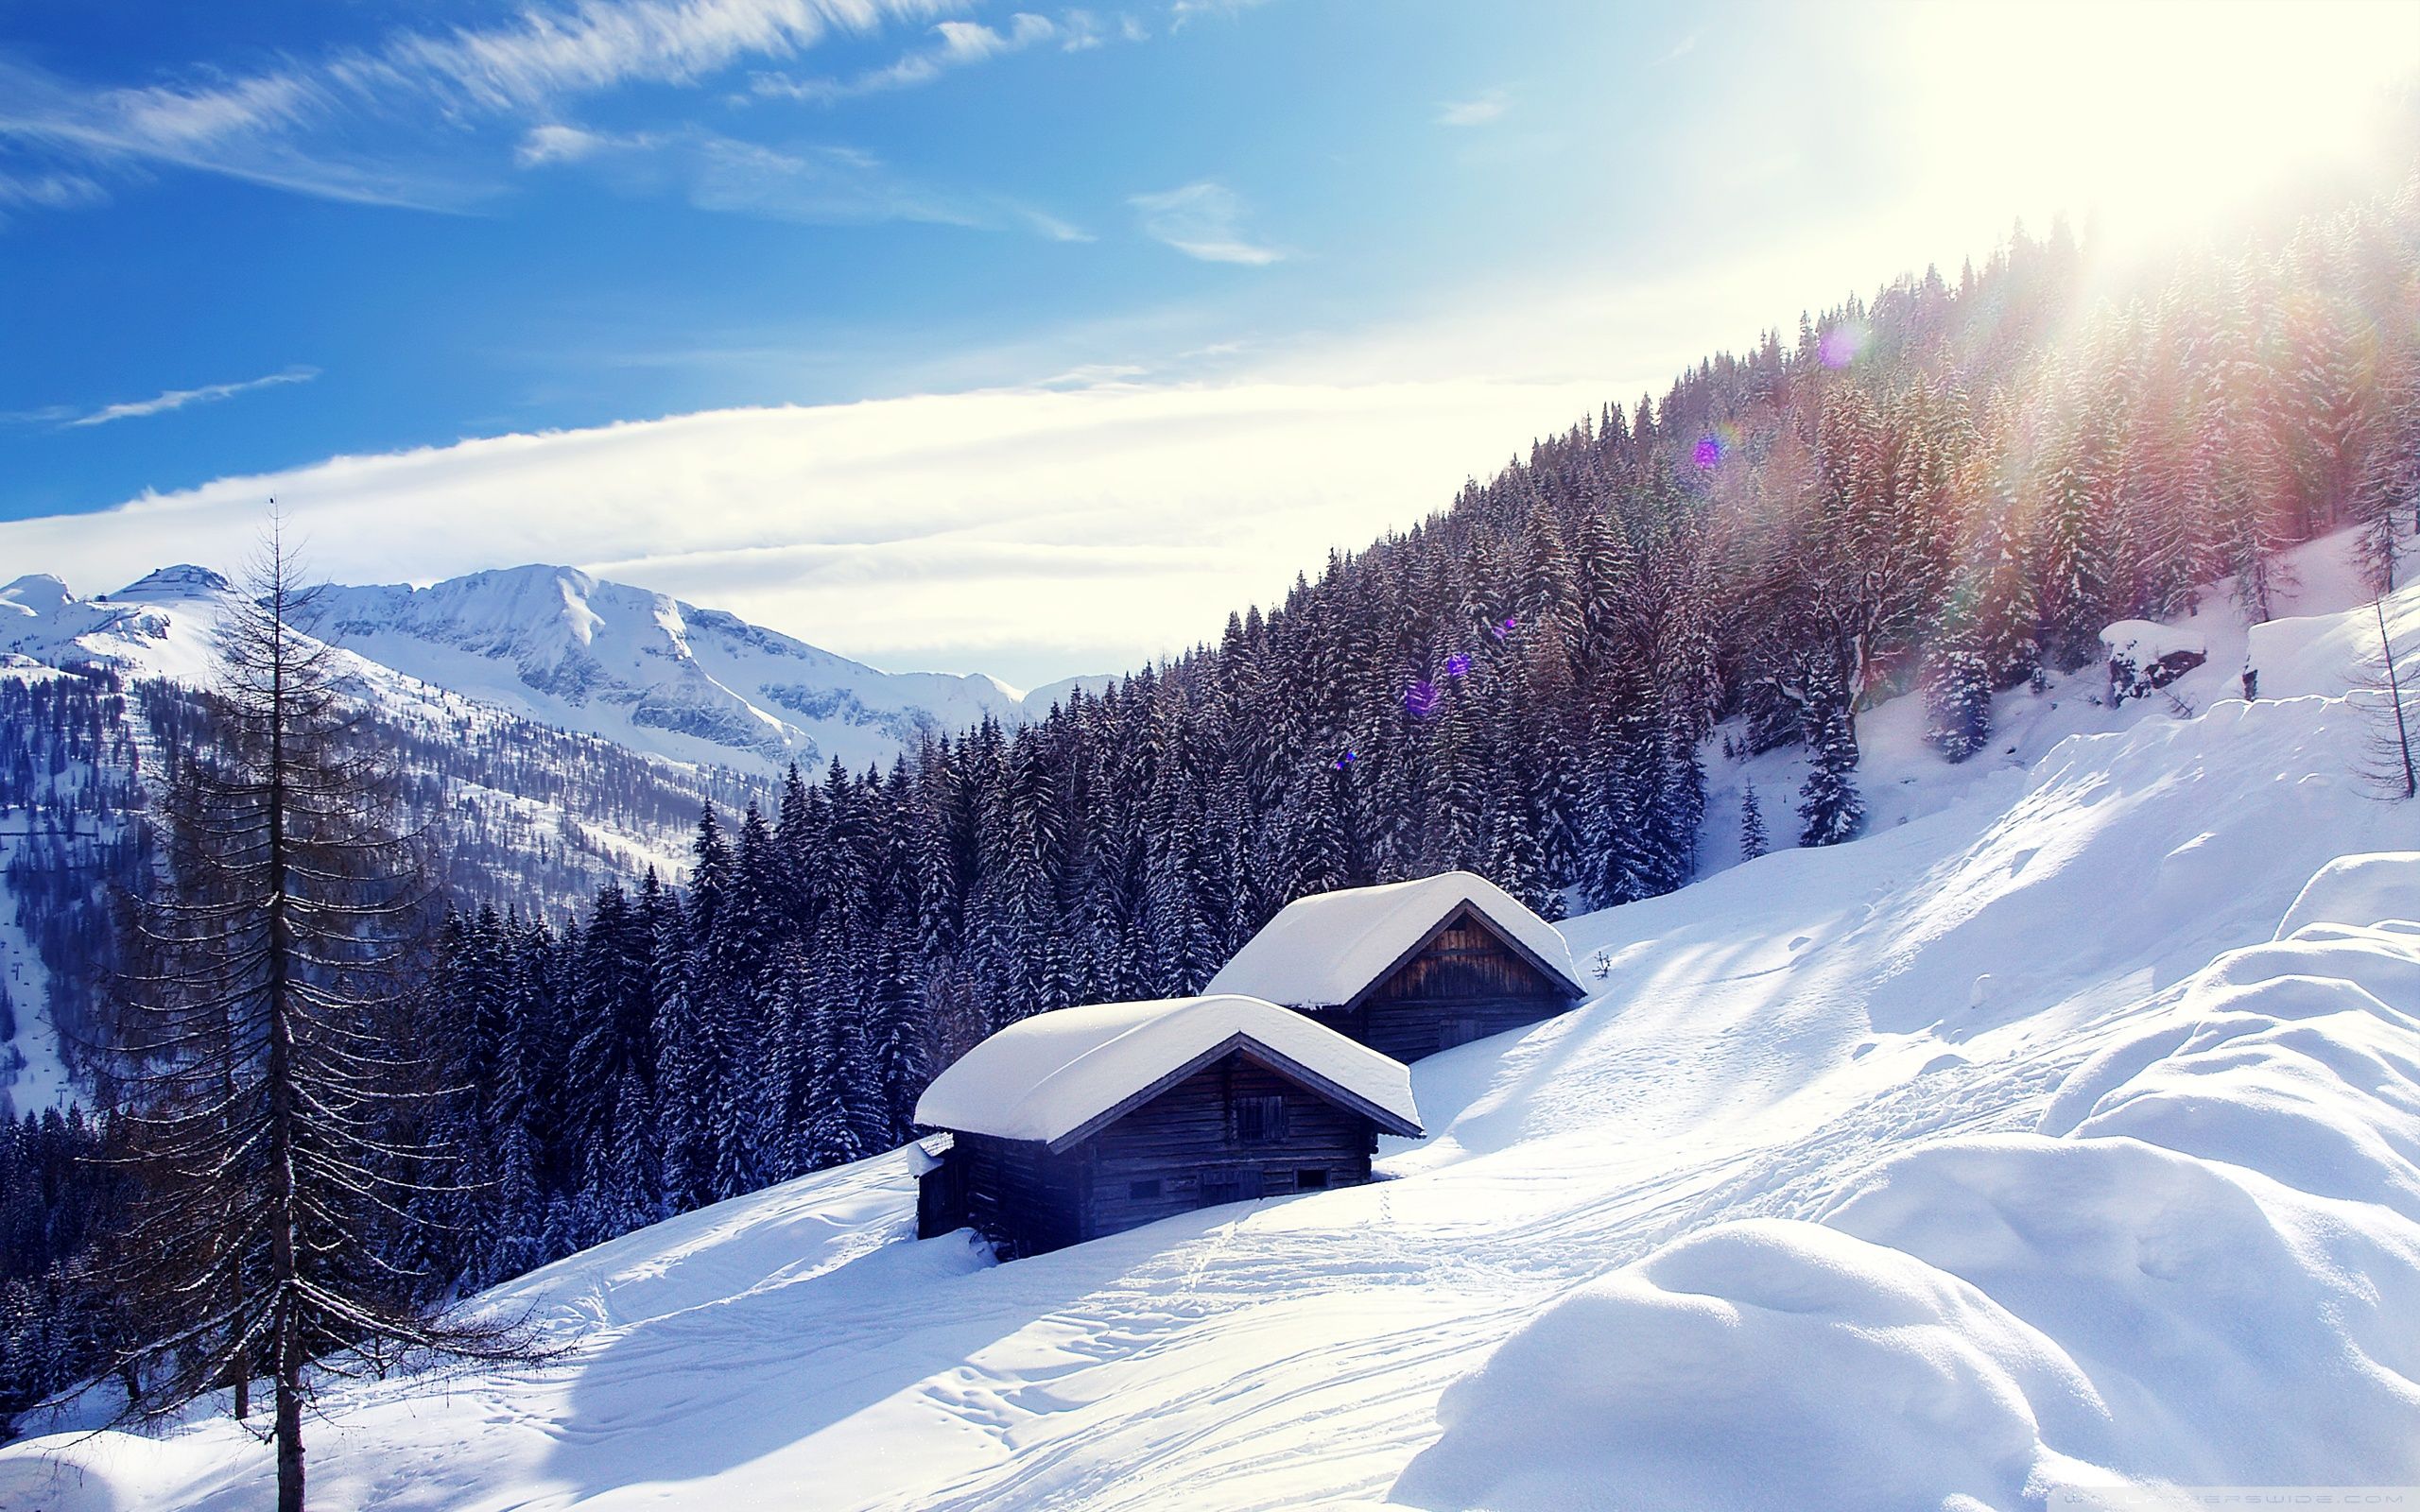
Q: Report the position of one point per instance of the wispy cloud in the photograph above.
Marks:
(1082, 30)
(1204, 220)
(1480, 110)
(68, 418)
(555, 143)
(958, 45)
(50, 191)
(824, 185)
(812, 184)
(1678, 50)
(1047, 227)
(1183, 12)
(240, 131)
(276, 127)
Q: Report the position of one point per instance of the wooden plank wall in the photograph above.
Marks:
(1176, 1136)
(1030, 1201)
(1466, 985)
(1022, 1196)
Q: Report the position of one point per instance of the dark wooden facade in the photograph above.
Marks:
(1464, 981)
(1232, 1126)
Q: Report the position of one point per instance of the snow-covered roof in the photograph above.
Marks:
(1328, 948)
(1049, 1077)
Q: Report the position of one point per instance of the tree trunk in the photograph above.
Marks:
(289, 1420)
(284, 1274)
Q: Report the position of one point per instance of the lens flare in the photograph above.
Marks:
(1842, 344)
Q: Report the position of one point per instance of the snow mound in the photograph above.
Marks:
(2148, 641)
(1048, 1076)
(1322, 950)
(2145, 656)
(2199, 1271)
(1762, 1364)
(2358, 889)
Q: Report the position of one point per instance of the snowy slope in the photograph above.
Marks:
(2003, 1158)
(1903, 778)
(558, 646)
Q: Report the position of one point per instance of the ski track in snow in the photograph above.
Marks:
(1788, 1066)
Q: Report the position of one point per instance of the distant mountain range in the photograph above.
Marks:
(554, 645)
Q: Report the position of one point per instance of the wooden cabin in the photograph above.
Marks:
(1090, 1120)
(1409, 968)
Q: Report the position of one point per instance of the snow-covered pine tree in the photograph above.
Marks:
(1829, 802)
(689, 1049)
(1957, 694)
(1754, 842)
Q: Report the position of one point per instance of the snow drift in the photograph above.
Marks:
(2201, 1271)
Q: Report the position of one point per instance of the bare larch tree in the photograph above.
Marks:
(271, 1063)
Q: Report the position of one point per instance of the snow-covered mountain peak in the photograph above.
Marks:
(555, 644)
(35, 595)
(181, 583)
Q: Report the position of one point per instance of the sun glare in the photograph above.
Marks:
(2152, 121)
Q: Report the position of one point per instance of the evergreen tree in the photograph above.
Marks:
(1829, 802)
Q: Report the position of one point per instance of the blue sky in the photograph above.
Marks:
(239, 241)
(554, 251)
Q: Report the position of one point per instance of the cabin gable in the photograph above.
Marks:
(1464, 980)
(1234, 1129)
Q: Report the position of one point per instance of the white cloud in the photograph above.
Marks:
(1677, 51)
(813, 184)
(51, 191)
(1183, 12)
(554, 142)
(817, 186)
(160, 404)
(545, 52)
(1203, 220)
(255, 127)
(1480, 109)
(960, 43)
(1029, 533)
(1047, 227)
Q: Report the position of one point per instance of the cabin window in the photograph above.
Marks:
(1260, 1120)
(1310, 1178)
(1143, 1191)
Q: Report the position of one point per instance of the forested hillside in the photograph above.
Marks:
(526, 818)
(1956, 485)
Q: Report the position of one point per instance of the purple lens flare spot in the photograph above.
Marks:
(1457, 665)
(1840, 345)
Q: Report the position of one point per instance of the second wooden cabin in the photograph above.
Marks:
(1409, 968)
